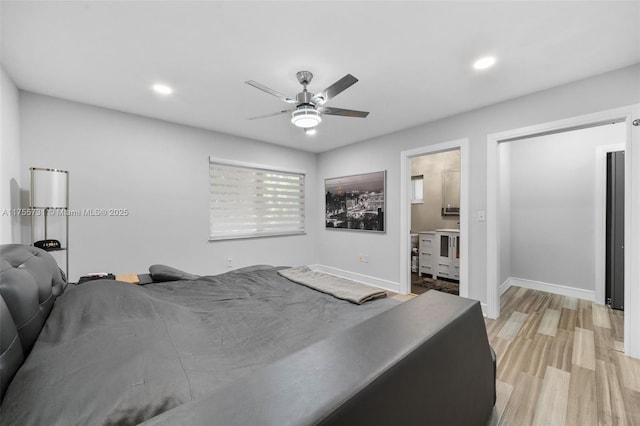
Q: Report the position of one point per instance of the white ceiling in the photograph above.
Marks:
(413, 59)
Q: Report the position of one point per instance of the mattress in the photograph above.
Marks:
(117, 353)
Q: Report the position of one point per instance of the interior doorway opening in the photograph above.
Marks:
(435, 222)
(627, 115)
(455, 243)
(548, 209)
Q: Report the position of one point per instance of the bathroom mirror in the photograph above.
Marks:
(451, 192)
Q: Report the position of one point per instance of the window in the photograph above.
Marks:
(250, 200)
(417, 189)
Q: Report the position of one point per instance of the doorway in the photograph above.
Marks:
(461, 250)
(435, 222)
(629, 116)
(548, 208)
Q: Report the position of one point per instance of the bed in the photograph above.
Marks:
(244, 347)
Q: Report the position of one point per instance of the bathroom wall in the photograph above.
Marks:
(427, 216)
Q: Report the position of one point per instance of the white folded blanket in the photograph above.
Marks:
(340, 288)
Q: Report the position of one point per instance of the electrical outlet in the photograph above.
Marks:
(366, 258)
(482, 216)
(361, 258)
(229, 262)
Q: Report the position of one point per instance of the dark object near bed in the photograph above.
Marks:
(48, 245)
(144, 279)
(30, 281)
(162, 273)
(87, 278)
(245, 347)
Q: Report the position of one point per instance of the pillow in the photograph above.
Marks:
(161, 273)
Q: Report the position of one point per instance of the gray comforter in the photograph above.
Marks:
(116, 353)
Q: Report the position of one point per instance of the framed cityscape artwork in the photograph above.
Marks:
(356, 202)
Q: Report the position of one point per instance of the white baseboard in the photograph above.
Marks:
(505, 286)
(562, 290)
(365, 279)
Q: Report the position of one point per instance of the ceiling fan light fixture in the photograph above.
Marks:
(306, 117)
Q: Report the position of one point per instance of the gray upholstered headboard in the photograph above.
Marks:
(30, 281)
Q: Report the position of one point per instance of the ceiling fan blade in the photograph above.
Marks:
(270, 91)
(335, 89)
(343, 112)
(270, 115)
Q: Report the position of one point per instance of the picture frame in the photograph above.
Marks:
(356, 202)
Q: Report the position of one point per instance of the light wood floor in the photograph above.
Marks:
(561, 362)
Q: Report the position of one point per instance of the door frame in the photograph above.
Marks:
(626, 114)
(405, 210)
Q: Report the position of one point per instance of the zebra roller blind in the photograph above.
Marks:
(249, 200)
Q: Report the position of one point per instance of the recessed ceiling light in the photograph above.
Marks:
(162, 89)
(484, 63)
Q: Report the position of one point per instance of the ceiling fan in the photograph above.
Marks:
(310, 107)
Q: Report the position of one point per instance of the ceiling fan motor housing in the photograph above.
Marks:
(304, 98)
(306, 115)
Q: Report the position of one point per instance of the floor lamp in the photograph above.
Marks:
(49, 192)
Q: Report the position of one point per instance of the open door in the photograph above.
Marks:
(614, 284)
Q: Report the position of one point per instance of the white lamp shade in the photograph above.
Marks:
(306, 117)
(49, 188)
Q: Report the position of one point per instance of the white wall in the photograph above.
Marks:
(9, 160)
(553, 205)
(340, 250)
(160, 172)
